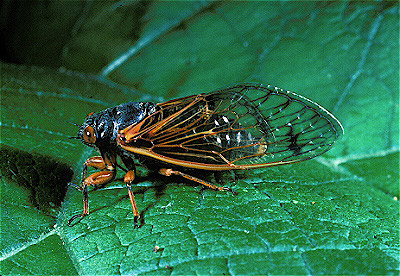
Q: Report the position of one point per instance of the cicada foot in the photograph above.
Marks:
(227, 189)
(169, 172)
(85, 206)
(74, 218)
(76, 186)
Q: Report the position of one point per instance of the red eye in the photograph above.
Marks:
(88, 135)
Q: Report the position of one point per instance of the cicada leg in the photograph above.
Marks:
(128, 179)
(98, 178)
(169, 172)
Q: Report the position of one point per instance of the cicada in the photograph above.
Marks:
(245, 126)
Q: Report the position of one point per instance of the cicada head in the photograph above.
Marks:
(99, 130)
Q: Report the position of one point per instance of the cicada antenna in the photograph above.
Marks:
(73, 137)
(73, 123)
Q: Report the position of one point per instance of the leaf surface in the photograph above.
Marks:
(337, 214)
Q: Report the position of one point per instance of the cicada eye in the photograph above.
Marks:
(88, 135)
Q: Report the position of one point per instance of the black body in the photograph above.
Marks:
(108, 122)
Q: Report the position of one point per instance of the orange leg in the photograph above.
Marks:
(96, 162)
(128, 179)
(97, 178)
(169, 172)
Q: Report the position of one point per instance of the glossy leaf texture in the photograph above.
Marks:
(335, 214)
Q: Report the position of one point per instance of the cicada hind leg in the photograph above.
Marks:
(102, 177)
(169, 172)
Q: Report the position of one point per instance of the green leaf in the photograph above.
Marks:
(337, 214)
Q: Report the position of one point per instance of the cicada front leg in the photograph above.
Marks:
(102, 177)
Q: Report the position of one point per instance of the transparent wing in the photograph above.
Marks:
(243, 126)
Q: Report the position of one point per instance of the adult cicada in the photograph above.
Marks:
(245, 126)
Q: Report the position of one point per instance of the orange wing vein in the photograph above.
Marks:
(239, 127)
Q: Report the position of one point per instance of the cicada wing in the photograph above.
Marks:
(243, 126)
(283, 127)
